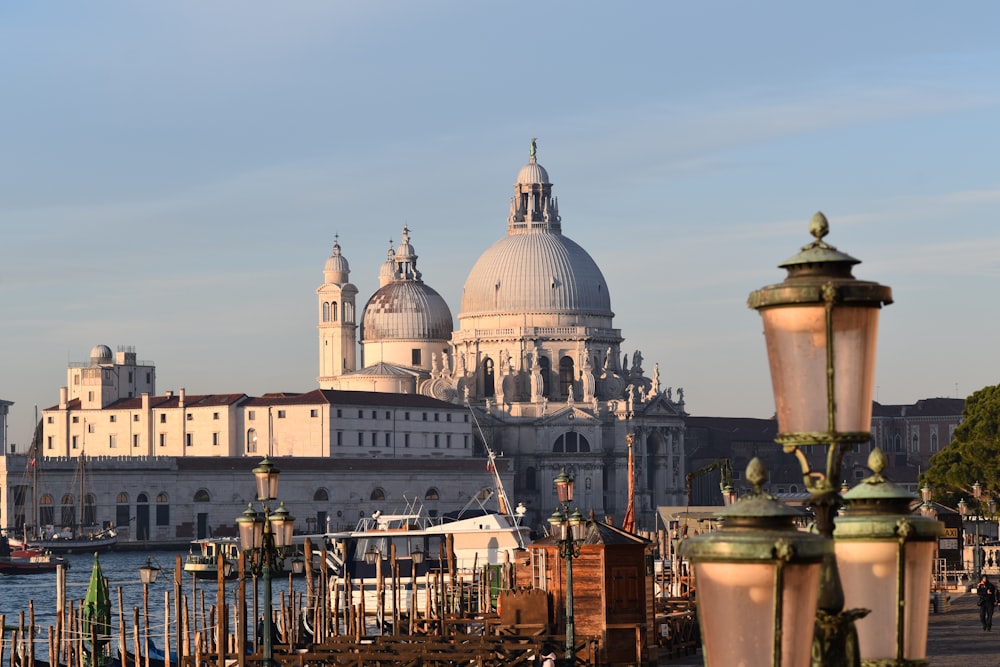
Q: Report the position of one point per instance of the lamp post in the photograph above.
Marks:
(820, 327)
(147, 575)
(963, 509)
(569, 531)
(265, 537)
(758, 582)
(885, 555)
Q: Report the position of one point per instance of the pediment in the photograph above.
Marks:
(568, 415)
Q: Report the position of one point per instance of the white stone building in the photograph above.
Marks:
(535, 369)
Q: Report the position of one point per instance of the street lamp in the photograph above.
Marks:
(758, 582)
(265, 538)
(963, 509)
(882, 547)
(820, 326)
(569, 531)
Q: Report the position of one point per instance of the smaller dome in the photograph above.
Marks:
(336, 269)
(405, 249)
(100, 354)
(532, 173)
(406, 310)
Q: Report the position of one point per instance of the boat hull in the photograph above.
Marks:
(69, 545)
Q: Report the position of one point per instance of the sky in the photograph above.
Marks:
(173, 175)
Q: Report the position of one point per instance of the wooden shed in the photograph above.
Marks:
(612, 591)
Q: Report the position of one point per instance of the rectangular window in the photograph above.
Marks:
(163, 440)
(340, 438)
(388, 439)
(215, 415)
(466, 440)
(415, 357)
(49, 420)
(251, 415)
(135, 439)
(49, 443)
(76, 441)
(163, 417)
(76, 420)
(130, 377)
(90, 395)
(148, 377)
(387, 415)
(447, 441)
(190, 416)
(340, 413)
(466, 419)
(361, 414)
(425, 416)
(189, 439)
(406, 416)
(215, 439)
(135, 418)
(90, 428)
(112, 418)
(374, 439)
(314, 413)
(437, 441)
(162, 514)
(361, 439)
(374, 414)
(281, 414)
(112, 441)
(448, 416)
(406, 440)
(437, 417)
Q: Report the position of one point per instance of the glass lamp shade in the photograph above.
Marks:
(371, 556)
(298, 566)
(282, 526)
(884, 556)
(267, 480)
(148, 573)
(558, 526)
(977, 490)
(417, 555)
(820, 327)
(564, 487)
(963, 507)
(758, 582)
(251, 527)
(925, 493)
(577, 526)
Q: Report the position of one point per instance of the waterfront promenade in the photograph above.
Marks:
(954, 639)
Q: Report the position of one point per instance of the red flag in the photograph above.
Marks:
(628, 523)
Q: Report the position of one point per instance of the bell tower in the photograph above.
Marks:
(337, 325)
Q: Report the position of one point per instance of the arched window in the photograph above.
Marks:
(934, 442)
(162, 510)
(432, 494)
(489, 388)
(916, 443)
(201, 496)
(89, 510)
(67, 511)
(570, 443)
(897, 443)
(46, 512)
(333, 311)
(142, 498)
(529, 479)
(122, 514)
(326, 311)
(545, 369)
(321, 495)
(377, 494)
(566, 375)
(348, 312)
(252, 441)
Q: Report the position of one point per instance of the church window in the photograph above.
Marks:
(544, 370)
(898, 443)
(326, 311)
(333, 311)
(415, 357)
(377, 494)
(566, 375)
(348, 312)
(489, 390)
(571, 443)
(934, 442)
(916, 443)
(201, 496)
(321, 495)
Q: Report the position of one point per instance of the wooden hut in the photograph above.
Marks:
(612, 591)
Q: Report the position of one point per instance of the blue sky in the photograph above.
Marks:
(172, 174)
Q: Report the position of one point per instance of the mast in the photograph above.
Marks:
(491, 465)
(34, 472)
(83, 473)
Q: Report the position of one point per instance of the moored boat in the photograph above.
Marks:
(205, 563)
(27, 561)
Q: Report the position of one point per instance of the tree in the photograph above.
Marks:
(974, 453)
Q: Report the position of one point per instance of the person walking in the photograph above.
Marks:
(987, 593)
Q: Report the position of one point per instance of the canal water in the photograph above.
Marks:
(121, 569)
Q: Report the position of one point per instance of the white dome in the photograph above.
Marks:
(406, 310)
(101, 354)
(538, 272)
(532, 173)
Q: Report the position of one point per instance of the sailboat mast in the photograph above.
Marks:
(34, 474)
(83, 473)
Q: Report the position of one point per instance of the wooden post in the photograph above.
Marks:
(220, 614)
(122, 653)
(178, 612)
(241, 636)
(166, 629)
(135, 638)
(31, 632)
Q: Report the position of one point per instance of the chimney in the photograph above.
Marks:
(63, 394)
(180, 399)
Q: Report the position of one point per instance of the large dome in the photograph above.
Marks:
(538, 272)
(406, 310)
